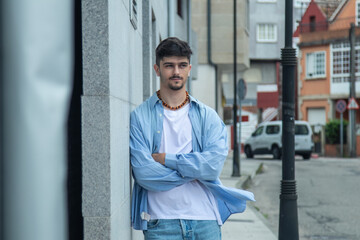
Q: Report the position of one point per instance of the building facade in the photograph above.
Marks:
(213, 22)
(324, 63)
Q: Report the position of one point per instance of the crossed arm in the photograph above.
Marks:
(164, 171)
(159, 157)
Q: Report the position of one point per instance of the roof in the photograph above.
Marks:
(327, 9)
(338, 10)
(329, 6)
(312, 10)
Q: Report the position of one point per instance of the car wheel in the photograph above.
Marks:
(248, 152)
(306, 156)
(276, 152)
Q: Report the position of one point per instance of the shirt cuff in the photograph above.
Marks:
(171, 161)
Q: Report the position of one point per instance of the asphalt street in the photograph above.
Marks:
(328, 196)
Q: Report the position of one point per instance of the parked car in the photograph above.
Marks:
(266, 139)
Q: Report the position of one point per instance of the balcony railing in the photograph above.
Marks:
(314, 27)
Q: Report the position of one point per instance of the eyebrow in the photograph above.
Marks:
(174, 63)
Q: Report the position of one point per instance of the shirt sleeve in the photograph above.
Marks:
(207, 164)
(148, 173)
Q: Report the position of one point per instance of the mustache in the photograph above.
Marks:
(176, 77)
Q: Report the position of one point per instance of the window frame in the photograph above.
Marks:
(343, 47)
(307, 72)
(266, 40)
(258, 131)
(299, 127)
(133, 13)
(357, 15)
(273, 126)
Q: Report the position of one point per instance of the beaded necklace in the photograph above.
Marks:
(173, 108)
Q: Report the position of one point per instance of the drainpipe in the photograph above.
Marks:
(209, 52)
(171, 18)
(189, 39)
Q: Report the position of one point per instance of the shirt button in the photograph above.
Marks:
(160, 114)
(158, 131)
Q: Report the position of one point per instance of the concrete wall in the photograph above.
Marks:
(261, 12)
(221, 47)
(204, 88)
(117, 76)
(222, 31)
(112, 87)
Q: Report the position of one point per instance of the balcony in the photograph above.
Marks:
(313, 27)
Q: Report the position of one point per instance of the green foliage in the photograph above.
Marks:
(332, 131)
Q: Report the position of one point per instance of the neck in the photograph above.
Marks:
(173, 98)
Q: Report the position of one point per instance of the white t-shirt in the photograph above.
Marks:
(188, 201)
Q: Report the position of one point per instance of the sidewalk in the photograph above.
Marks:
(247, 225)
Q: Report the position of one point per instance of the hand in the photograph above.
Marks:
(159, 157)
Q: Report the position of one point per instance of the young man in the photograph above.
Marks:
(178, 147)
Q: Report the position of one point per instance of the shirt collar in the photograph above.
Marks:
(154, 99)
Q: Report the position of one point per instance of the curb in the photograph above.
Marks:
(245, 183)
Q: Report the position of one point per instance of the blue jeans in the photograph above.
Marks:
(179, 229)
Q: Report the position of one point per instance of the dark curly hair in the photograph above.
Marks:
(172, 46)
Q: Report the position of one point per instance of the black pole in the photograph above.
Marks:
(352, 113)
(2, 218)
(288, 218)
(236, 153)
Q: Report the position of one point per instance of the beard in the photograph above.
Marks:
(176, 87)
(172, 85)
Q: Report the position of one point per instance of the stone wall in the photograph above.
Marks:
(118, 58)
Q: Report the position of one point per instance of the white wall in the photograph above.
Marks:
(204, 87)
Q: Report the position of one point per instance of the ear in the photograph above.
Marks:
(157, 70)
(189, 70)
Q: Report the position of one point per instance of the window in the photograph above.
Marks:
(272, 129)
(315, 65)
(266, 32)
(312, 23)
(258, 131)
(340, 61)
(357, 13)
(301, 129)
(133, 13)
(179, 8)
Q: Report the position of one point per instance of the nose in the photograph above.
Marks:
(176, 69)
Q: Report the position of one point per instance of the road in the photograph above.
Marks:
(328, 197)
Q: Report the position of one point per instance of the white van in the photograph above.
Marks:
(267, 139)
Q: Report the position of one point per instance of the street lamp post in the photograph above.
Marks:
(352, 112)
(288, 218)
(236, 152)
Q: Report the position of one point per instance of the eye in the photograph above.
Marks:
(184, 65)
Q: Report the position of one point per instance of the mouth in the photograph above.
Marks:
(176, 78)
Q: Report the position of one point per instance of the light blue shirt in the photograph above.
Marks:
(204, 163)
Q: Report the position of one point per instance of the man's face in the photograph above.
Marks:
(173, 72)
